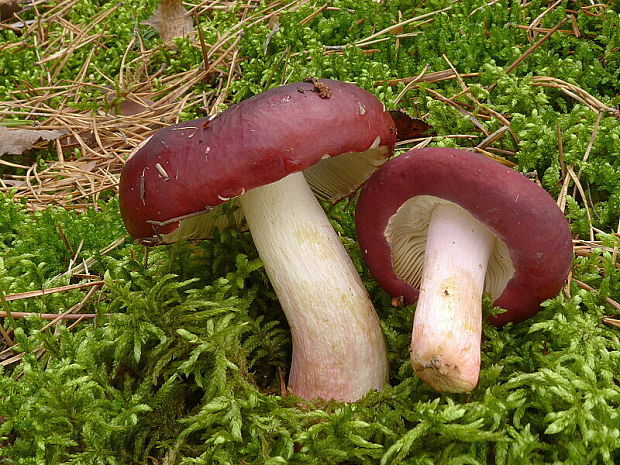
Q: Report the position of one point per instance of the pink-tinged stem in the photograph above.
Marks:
(445, 345)
(338, 347)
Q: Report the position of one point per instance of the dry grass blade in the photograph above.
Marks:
(532, 49)
(460, 109)
(588, 288)
(77, 270)
(570, 174)
(585, 248)
(435, 76)
(410, 84)
(400, 25)
(70, 314)
(54, 290)
(579, 187)
(537, 20)
(541, 41)
(308, 19)
(546, 29)
(90, 154)
(611, 321)
(491, 3)
(48, 316)
(577, 93)
(491, 138)
(495, 157)
(427, 140)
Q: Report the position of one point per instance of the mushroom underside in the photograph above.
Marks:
(337, 177)
(406, 234)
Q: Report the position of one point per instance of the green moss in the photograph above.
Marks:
(181, 364)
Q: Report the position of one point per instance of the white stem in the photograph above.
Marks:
(445, 344)
(338, 347)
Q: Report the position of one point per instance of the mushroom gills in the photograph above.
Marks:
(406, 234)
(335, 178)
(201, 226)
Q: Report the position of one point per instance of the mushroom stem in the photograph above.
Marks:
(338, 347)
(445, 344)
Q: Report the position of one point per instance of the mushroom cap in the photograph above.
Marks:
(516, 210)
(186, 170)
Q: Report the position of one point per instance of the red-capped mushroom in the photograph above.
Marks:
(442, 226)
(253, 154)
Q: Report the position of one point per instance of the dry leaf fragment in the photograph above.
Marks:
(129, 104)
(7, 8)
(171, 20)
(274, 26)
(408, 127)
(17, 141)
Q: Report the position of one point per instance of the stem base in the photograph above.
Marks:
(445, 343)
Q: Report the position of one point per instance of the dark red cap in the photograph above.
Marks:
(186, 170)
(518, 211)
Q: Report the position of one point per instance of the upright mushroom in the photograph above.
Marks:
(253, 154)
(442, 226)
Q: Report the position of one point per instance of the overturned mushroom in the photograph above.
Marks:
(267, 154)
(442, 226)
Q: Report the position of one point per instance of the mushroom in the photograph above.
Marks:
(442, 226)
(267, 155)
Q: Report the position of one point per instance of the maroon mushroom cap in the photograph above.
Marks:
(188, 169)
(522, 215)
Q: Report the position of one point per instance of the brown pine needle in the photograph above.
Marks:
(533, 48)
(611, 321)
(90, 158)
(577, 93)
(49, 316)
(435, 76)
(538, 43)
(586, 287)
(53, 290)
